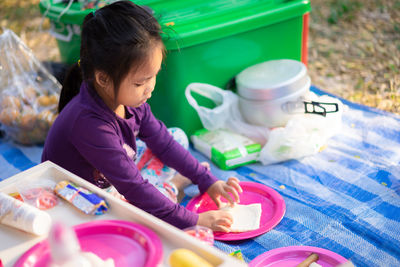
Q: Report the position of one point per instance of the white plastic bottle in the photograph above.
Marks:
(22, 216)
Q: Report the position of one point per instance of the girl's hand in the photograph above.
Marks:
(221, 188)
(216, 220)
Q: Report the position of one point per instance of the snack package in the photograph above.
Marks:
(39, 194)
(226, 149)
(81, 198)
(28, 92)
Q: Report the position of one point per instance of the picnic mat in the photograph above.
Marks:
(345, 199)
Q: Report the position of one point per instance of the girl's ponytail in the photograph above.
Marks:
(71, 86)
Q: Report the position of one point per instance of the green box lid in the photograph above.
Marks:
(190, 22)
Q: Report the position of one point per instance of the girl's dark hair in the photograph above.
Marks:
(113, 40)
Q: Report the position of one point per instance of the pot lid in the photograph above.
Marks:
(272, 79)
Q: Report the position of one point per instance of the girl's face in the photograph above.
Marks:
(138, 85)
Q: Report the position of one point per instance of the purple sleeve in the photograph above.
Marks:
(100, 145)
(171, 153)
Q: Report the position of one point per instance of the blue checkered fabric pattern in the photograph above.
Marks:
(345, 199)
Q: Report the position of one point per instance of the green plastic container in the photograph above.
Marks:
(65, 27)
(207, 42)
(212, 41)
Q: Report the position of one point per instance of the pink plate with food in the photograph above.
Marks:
(127, 243)
(292, 256)
(272, 209)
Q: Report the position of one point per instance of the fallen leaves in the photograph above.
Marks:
(363, 62)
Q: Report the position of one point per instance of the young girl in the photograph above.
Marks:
(103, 110)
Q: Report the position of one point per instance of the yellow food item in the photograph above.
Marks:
(29, 93)
(46, 119)
(44, 100)
(187, 258)
(27, 121)
(53, 99)
(10, 101)
(27, 111)
(9, 116)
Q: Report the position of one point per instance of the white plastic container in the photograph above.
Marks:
(22, 216)
(272, 91)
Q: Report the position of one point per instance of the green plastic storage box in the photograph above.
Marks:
(66, 25)
(206, 41)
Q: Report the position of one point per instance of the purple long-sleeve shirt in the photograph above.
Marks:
(91, 141)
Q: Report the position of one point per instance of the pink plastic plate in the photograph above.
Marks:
(127, 243)
(291, 256)
(272, 209)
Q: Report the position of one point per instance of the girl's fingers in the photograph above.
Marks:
(216, 200)
(234, 193)
(227, 196)
(232, 178)
(225, 222)
(225, 215)
(221, 228)
(207, 165)
(233, 181)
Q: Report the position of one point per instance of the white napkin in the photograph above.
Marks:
(245, 217)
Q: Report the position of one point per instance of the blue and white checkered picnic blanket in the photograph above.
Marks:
(345, 199)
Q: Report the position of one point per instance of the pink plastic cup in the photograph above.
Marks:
(202, 233)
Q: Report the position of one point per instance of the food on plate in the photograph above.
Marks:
(245, 217)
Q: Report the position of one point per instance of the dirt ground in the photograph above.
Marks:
(354, 50)
(354, 46)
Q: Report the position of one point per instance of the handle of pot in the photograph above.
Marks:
(320, 108)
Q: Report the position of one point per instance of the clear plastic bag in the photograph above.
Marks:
(39, 194)
(28, 92)
(226, 114)
(303, 135)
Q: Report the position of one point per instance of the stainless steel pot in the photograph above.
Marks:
(270, 93)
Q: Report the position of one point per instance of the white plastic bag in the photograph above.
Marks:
(226, 114)
(303, 135)
(28, 92)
